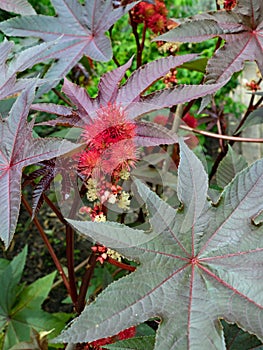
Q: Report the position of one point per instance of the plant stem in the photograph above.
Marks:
(137, 40)
(177, 117)
(62, 97)
(55, 209)
(235, 137)
(70, 263)
(120, 264)
(85, 283)
(48, 245)
(223, 137)
(77, 268)
(140, 51)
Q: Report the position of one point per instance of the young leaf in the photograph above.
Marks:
(82, 27)
(18, 149)
(229, 167)
(189, 279)
(242, 30)
(128, 98)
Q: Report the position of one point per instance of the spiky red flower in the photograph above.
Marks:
(229, 4)
(110, 143)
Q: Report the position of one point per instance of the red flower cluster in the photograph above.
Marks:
(188, 119)
(154, 16)
(229, 4)
(110, 144)
(170, 79)
(253, 85)
(126, 334)
(101, 251)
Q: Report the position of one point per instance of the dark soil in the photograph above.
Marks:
(39, 262)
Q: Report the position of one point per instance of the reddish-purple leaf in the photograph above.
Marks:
(49, 169)
(18, 149)
(199, 264)
(129, 96)
(242, 28)
(152, 134)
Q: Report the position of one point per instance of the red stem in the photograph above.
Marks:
(85, 282)
(55, 209)
(48, 245)
(120, 264)
(70, 263)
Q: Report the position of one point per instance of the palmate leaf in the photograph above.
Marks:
(83, 28)
(242, 28)
(190, 280)
(18, 149)
(129, 97)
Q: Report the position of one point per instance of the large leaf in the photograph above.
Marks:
(189, 279)
(83, 27)
(242, 28)
(18, 149)
(20, 306)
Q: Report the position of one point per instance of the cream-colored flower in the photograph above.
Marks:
(124, 201)
(100, 218)
(124, 174)
(92, 193)
(114, 255)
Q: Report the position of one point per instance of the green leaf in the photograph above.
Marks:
(9, 279)
(198, 65)
(238, 339)
(254, 118)
(136, 343)
(20, 306)
(189, 279)
(231, 164)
